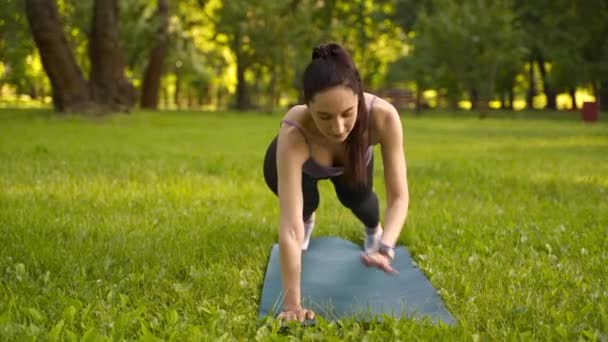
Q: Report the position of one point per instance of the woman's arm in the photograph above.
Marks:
(395, 174)
(291, 154)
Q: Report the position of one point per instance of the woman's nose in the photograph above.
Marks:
(338, 127)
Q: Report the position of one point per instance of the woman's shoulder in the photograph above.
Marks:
(382, 112)
(292, 133)
(380, 106)
(296, 114)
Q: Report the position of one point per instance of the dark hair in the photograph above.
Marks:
(331, 66)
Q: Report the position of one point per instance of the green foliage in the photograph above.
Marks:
(570, 35)
(159, 226)
(76, 17)
(468, 42)
(15, 46)
(453, 46)
(138, 27)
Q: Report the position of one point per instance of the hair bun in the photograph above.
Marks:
(321, 51)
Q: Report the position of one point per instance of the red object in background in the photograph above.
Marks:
(590, 111)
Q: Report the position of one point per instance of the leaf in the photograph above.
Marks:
(5, 318)
(172, 317)
(182, 287)
(56, 331)
(69, 336)
(35, 314)
(20, 271)
(69, 313)
(92, 336)
(124, 300)
(591, 335)
(146, 334)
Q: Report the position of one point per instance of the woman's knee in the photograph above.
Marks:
(366, 208)
(352, 199)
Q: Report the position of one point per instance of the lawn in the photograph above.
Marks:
(159, 225)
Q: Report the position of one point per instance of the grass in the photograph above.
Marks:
(159, 226)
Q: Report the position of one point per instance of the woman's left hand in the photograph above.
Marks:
(379, 260)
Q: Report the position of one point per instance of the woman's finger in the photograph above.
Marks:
(389, 269)
(310, 314)
(286, 316)
(301, 315)
(378, 261)
(366, 259)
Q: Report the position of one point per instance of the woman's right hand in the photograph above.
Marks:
(298, 313)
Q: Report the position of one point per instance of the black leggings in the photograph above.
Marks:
(362, 202)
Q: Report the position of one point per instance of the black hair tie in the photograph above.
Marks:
(321, 51)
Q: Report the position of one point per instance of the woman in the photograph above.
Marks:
(331, 137)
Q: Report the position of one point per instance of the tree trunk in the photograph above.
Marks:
(165, 96)
(42, 94)
(595, 89)
(190, 98)
(33, 92)
(572, 92)
(474, 99)
(418, 104)
(272, 88)
(256, 89)
(511, 98)
(154, 69)
(549, 92)
(109, 86)
(70, 90)
(603, 95)
(503, 100)
(487, 90)
(242, 96)
(480, 102)
(531, 87)
(178, 90)
(200, 95)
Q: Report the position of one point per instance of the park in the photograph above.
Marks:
(133, 202)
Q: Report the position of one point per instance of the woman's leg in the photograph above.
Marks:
(310, 192)
(362, 202)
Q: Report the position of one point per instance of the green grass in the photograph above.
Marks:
(160, 225)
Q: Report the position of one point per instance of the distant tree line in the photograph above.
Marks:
(110, 55)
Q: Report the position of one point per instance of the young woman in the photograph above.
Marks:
(331, 137)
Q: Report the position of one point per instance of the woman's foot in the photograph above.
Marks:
(308, 228)
(372, 240)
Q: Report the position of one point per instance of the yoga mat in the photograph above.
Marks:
(336, 284)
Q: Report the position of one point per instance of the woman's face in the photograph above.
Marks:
(334, 112)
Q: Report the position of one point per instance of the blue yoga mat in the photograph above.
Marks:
(335, 284)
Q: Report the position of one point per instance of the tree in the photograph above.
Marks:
(70, 90)
(108, 89)
(250, 30)
(154, 70)
(592, 17)
(551, 38)
(468, 42)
